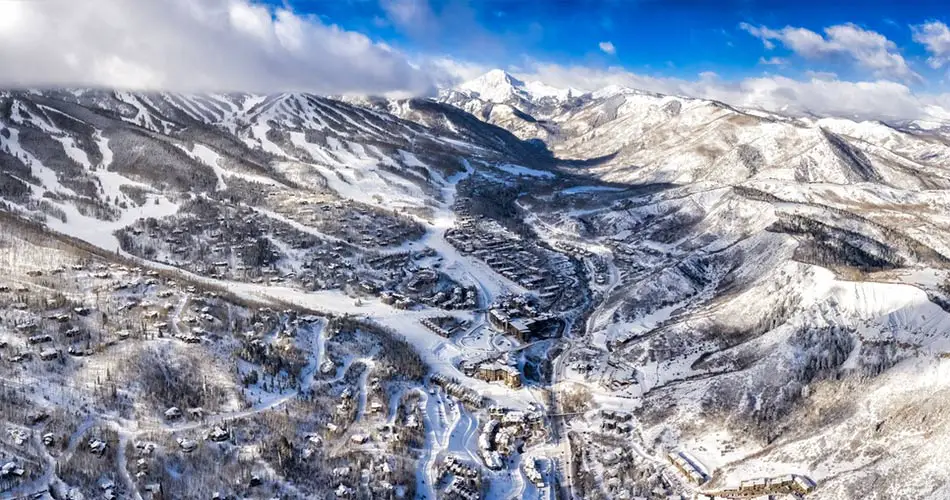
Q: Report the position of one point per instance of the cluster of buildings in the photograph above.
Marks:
(48, 330)
(457, 390)
(350, 221)
(397, 278)
(521, 261)
(458, 297)
(518, 317)
(444, 326)
(597, 262)
(780, 485)
(222, 240)
(396, 300)
(610, 370)
(504, 430)
(465, 482)
(390, 261)
(504, 253)
(532, 473)
(616, 421)
(442, 294)
(378, 478)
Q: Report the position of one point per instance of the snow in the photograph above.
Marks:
(143, 117)
(47, 176)
(356, 176)
(497, 86)
(591, 189)
(209, 157)
(259, 132)
(525, 171)
(726, 237)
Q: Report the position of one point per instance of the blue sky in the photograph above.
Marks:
(679, 38)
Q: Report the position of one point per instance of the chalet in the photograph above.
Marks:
(11, 469)
(97, 446)
(40, 339)
(187, 445)
(78, 351)
(219, 434)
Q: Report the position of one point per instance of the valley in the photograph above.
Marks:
(505, 291)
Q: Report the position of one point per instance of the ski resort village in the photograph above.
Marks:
(230, 296)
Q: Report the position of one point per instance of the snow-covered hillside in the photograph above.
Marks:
(765, 295)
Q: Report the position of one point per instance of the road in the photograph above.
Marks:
(559, 424)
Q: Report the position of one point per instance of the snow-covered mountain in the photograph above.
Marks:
(764, 293)
(627, 135)
(499, 87)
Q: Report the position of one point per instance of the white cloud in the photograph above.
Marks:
(414, 16)
(867, 49)
(773, 61)
(192, 45)
(448, 72)
(607, 48)
(935, 36)
(823, 94)
(821, 75)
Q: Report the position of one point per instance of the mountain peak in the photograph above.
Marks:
(500, 76)
(499, 86)
(495, 86)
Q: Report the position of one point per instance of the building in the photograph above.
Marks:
(453, 388)
(523, 328)
(493, 372)
(688, 467)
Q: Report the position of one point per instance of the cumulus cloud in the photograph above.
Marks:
(193, 45)
(867, 49)
(935, 36)
(448, 72)
(607, 48)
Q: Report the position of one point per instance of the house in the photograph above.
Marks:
(219, 434)
(187, 445)
(11, 469)
(97, 446)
